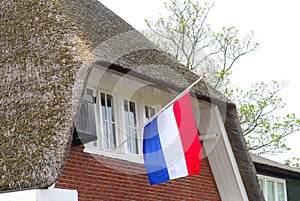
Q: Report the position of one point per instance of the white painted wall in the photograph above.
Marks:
(41, 195)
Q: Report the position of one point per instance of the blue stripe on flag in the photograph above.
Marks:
(153, 155)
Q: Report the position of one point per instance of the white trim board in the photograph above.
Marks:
(41, 195)
(221, 158)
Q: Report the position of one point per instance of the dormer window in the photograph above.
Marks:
(118, 122)
(108, 121)
(131, 126)
(114, 110)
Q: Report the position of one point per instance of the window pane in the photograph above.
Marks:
(126, 105)
(270, 191)
(103, 106)
(126, 113)
(134, 141)
(128, 138)
(102, 99)
(261, 184)
(147, 112)
(132, 116)
(110, 115)
(130, 123)
(112, 138)
(108, 122)
(152, 111)
(105, 134)
(109, 101)
(83, 118)
(280, 191)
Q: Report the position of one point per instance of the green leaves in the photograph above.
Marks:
(184, 30)
(186, 34)
(231, 46)
(294, 161)
(263, 124)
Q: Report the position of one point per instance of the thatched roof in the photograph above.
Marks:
(47, 48)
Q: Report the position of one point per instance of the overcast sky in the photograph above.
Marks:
(276, 27)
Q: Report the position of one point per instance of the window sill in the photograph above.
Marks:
(114, 154)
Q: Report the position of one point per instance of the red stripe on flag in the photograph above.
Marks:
(188, 133)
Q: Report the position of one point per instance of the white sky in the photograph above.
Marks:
(276, 27)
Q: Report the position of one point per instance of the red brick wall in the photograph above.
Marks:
(94, 180)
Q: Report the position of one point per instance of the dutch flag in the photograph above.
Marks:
(171, 144)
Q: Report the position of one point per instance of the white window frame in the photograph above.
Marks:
(144, 118)
(120, 88)
(275, 180)
(100, 132)
(121, 151)
(138, 125)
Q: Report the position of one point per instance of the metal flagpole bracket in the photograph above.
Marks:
(209, 136)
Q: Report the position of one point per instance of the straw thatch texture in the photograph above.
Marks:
(47, 48)
(43, 64)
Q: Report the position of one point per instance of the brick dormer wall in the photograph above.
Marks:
(103, 178)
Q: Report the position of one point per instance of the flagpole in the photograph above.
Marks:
(165, 107)
(176, 98)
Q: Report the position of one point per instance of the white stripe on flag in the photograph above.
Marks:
(171, 144)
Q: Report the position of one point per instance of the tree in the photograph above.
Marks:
(294, 161)
(186, 34)
(263, 126)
